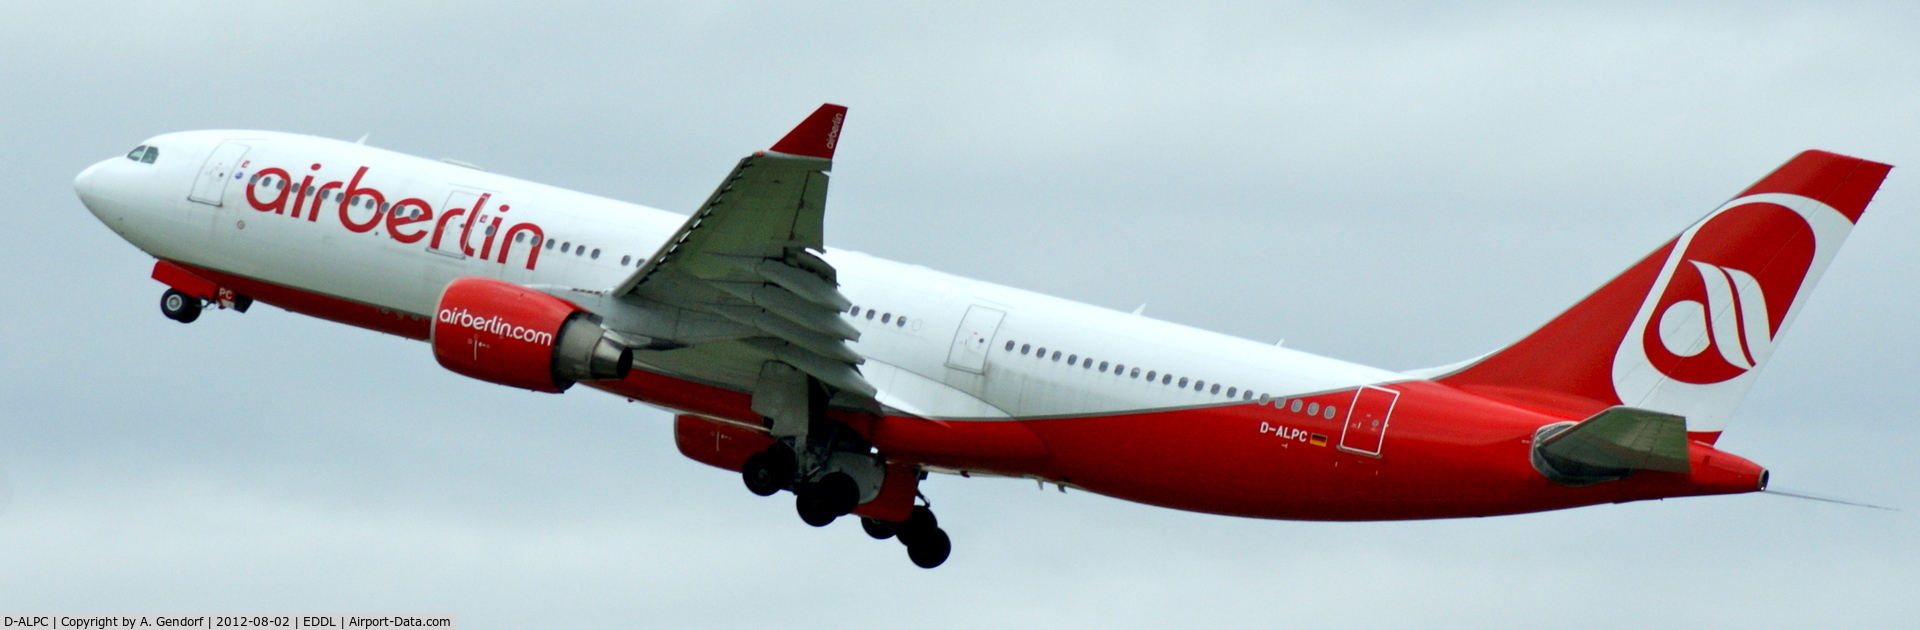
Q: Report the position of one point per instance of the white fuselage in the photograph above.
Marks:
(1097, 361)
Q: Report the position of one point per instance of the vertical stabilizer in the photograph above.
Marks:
(1686, 330)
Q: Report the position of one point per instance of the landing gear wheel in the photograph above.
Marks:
(930, 548)
(766, 472)
(878, 529)
(179, 307)
(833, 496)
(919, 524)
(840, 491)
(813, 508)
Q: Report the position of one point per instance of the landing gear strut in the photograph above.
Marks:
(179, 307)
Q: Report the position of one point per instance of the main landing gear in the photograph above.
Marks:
(927, 544)
(831, 494)
(832, 469)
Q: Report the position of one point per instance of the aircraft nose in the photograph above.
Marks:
(95, 190)
(84, 183)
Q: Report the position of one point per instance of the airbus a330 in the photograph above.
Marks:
(845, 379)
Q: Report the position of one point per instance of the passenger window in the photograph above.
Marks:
(1024, 347)
(1312, 409)
(1216, 389)
(1183, 382)
(1330, 412)
(1042, 353)
(1151, 374)
(137, 153)
(580, 251)
(1134, 374)
(596, 250)
(550, 243)
(1246, 396)
(1087, 363)
(1263, 397)
(1232, 391)
(1072, 359)
(1296, 405)
(623, 259)
(152, 154)
(871, 313)
(855, 312)
(886, 318)
(564, 246)
(900, 322)
(1056, 355)
(1009, 346)
(1103, 368)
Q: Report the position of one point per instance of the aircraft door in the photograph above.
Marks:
(469, 208)
(1367, 417)
(210, 187)
(970, 342)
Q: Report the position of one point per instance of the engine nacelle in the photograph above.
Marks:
(508, 334)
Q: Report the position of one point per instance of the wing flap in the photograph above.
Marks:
(747, 257)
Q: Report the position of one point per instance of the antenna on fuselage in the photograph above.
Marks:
(363, 138)
(1140, 309)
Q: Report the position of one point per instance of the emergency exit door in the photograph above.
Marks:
(1367, 418)
(969, 350)
(210, 187)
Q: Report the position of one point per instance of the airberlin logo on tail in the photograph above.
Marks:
(1724, 293)
(1743, 333)
(494, 324)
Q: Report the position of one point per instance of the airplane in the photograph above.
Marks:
(846, 379)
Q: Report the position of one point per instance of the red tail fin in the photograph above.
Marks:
(1685, 330)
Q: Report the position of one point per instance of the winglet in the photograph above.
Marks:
(817, 135)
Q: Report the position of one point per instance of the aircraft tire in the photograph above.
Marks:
(768, 471)
(179, 307)
(839, 491)
(876, 528)
(930, 549)
(813, 508)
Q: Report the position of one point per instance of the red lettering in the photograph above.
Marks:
(396, 219)
(354, 191)
(300, 194)
(314, 215)
(279, 204)
(533, 255)
(440, 227)
(493, 229)
(478, 204)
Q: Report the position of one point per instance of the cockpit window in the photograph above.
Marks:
(152, 154)
(137, 153)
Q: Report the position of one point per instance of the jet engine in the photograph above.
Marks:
(508, 334)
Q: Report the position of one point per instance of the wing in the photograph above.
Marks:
(740, 283)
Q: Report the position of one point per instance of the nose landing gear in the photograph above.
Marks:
(179, 307)
(184, 307)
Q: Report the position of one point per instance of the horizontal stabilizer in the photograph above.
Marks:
(1611, 445)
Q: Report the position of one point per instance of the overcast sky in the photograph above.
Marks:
(1397, 186)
